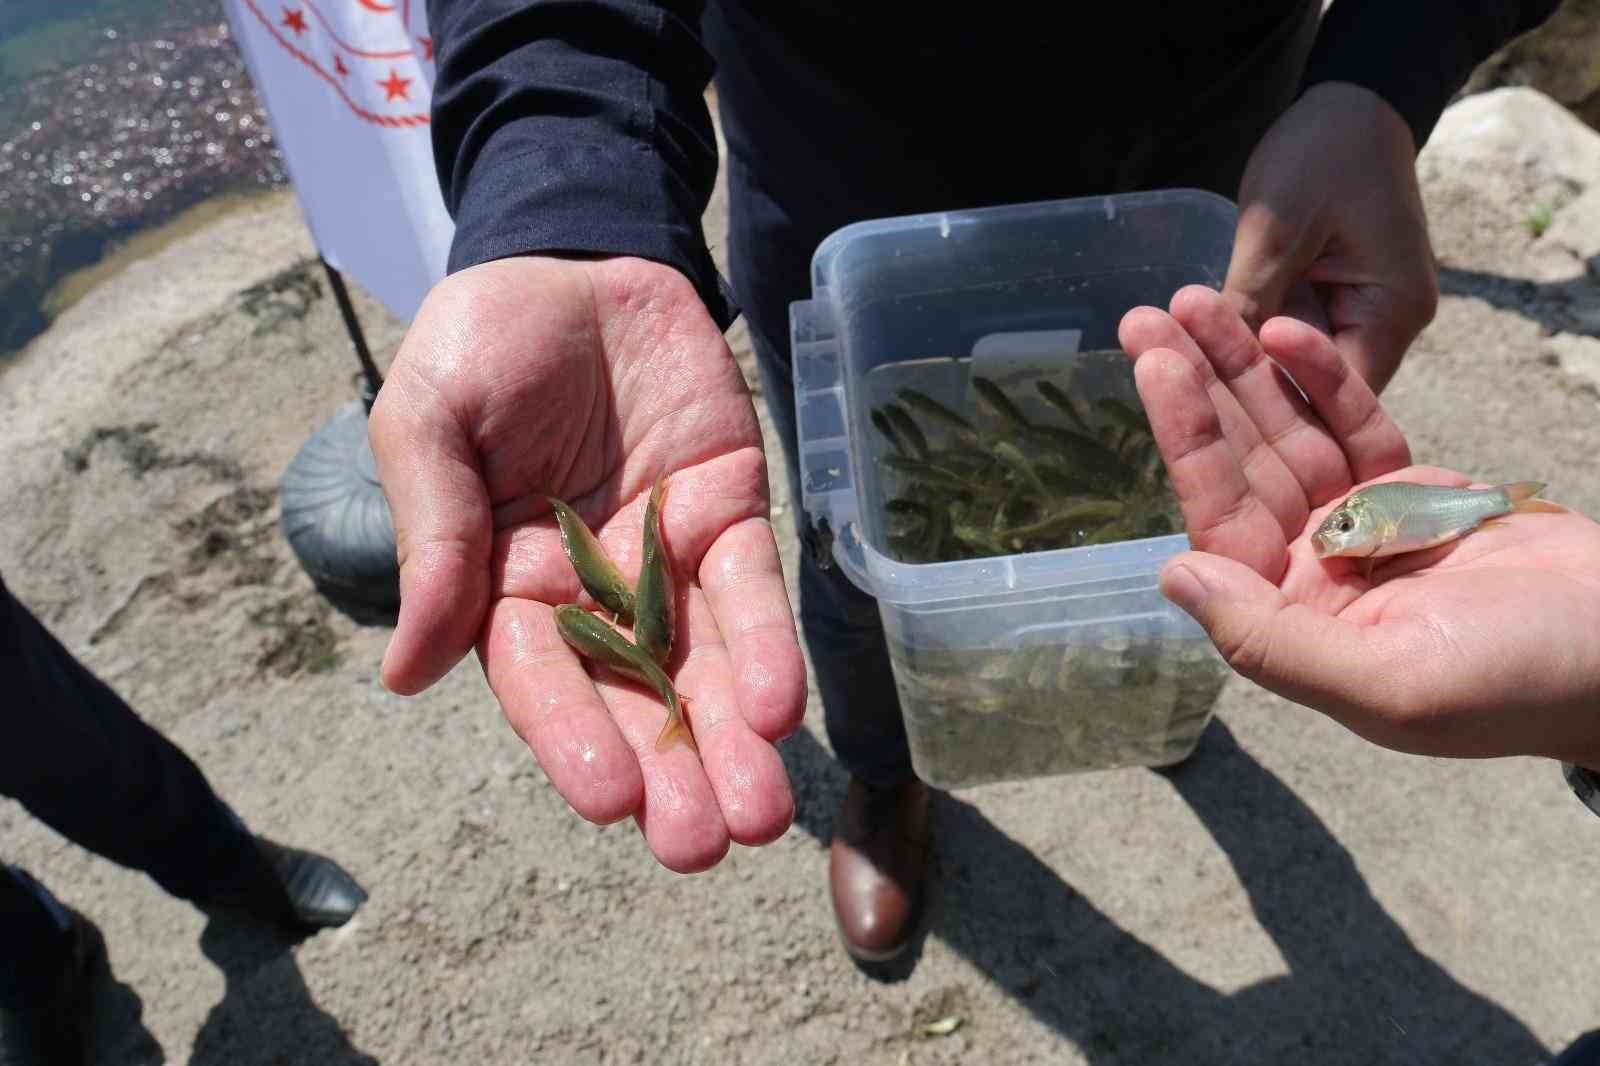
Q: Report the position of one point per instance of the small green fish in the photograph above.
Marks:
(596, 572)
(655, 600)
(936, 475)
(967, 462)
(1114, 530)
(1012, 456)
(593, 638)
(907, 429)
(1064, 520)
(978, 538)
(881, 421)
(938, 412)
(1006, 514)
(934, 535)
(1069, 482)
(1399, 516)
(1089, 457)
(1058, 399)
(996, 398)
(1131, 420)
(904, 508)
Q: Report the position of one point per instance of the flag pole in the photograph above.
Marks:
(358, 340)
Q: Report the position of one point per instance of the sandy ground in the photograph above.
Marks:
(1291, 895)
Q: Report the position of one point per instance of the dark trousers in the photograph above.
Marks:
(78, 759)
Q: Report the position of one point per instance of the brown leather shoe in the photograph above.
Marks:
(878, 867)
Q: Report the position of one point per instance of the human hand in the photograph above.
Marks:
(1482, 647)
(584, 380)
(1332, 229)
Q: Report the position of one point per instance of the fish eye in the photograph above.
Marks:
(1345, 525)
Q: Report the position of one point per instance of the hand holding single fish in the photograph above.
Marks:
(1396, 517)
(1248, 456)
(587, 380)
(1472, 640)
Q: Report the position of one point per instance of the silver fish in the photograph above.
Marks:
(1399, 516)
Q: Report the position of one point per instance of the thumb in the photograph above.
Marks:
(1288, 648)
(1270, 259)
(443, 532)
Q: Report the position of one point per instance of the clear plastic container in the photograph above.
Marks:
(1023, 665)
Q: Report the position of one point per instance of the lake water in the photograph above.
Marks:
(115, 115)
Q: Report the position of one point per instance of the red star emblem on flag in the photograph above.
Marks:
(350, 46)
(395, 86)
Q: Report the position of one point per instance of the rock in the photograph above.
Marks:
(1516, 129)
(1509, 184)
(1504, 166)
(1560, 59)
(1579, 359)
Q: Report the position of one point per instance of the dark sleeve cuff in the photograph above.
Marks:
(596, 199)
(1416, 53)
(576, 126)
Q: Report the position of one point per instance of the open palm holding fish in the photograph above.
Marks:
(1445, 623)
(613, 394)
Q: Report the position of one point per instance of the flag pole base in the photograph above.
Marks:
(336, 518)
(331, 504)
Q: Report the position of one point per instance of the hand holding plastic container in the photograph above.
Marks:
(1036, 662)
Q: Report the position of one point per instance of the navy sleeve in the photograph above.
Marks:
(576, 126)
(1416, 53)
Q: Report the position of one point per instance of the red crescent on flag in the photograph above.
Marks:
(373, 5)
(395, 53)
(401, 120)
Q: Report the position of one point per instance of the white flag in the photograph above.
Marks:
(346, 84)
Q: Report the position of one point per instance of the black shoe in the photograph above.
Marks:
(320, 893)
(290, 887)
(53, 1029)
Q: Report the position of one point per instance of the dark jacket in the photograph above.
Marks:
(581, 125)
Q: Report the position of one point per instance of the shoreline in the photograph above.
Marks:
(130, 131)
(71, 287)
(145, 242)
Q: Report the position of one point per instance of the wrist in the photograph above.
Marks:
(1367, 108)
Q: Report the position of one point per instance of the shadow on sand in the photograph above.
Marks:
(1358, 990)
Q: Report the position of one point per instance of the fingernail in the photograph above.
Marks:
(1182, 587)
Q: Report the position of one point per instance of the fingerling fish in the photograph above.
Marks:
(655, 599)
(1399, 516)
(596, 572)
(593, 638)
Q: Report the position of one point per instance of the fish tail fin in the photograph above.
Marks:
(677, 725)
(1524, 498)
